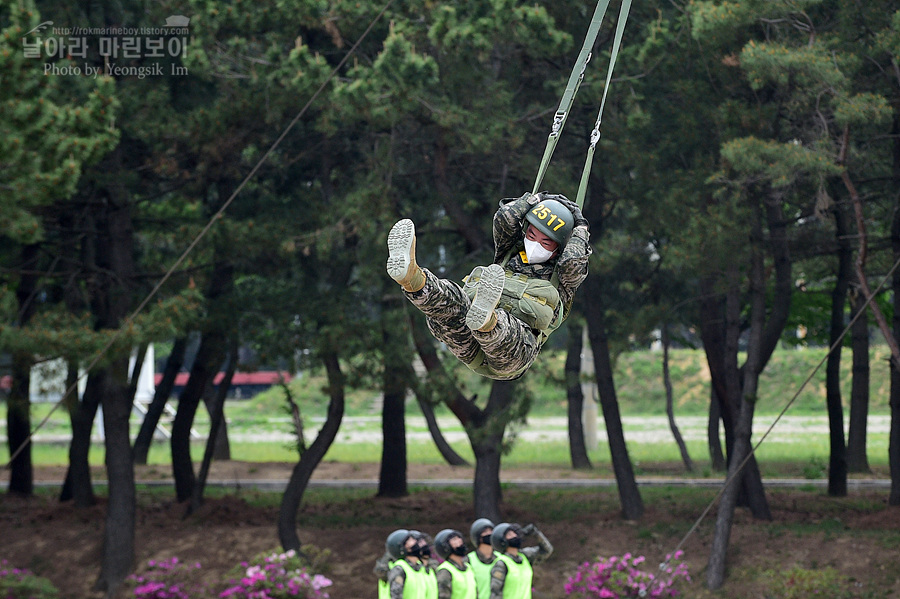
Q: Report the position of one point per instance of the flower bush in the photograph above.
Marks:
(277, 576)
(167, 579)
(17, 583)
(619, 578)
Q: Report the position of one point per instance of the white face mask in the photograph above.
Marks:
(536, 253)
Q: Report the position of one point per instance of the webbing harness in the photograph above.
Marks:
(568, 98)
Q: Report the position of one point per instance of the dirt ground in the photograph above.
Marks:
(64, 544)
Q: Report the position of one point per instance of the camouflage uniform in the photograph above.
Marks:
(511, 346)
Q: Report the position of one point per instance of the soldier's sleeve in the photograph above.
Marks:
(508, 221)
(444, 584)
(541, 552)
(396, 581)
(498, 579)
(572, 267)
(381, 566)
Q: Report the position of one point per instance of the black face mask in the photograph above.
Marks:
(485, 539)
(514, 542)
(462, 550)
(425, 551)
(414, 551)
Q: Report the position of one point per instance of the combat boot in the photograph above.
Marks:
(481, 315)
(401, 262)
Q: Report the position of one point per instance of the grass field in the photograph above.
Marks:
(260, 429)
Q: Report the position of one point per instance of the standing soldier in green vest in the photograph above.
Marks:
(512, 574)
(497, 324)
(482, 558)
(405, 578)
(455, 577)
(429, 570)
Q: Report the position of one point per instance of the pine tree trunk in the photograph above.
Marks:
(462, 408)
(894, 435)
(221, 446)
(629, 495)
(444, 448)
(208, 360)
(486, 491)
(837, 460)
(206, 365)
(857, 458)
(118, 537)
(713, 442)
(577, 448)
(216, 421)
(670, 409)
(18, 404)
(303, 470)
(78, 485)
(18, 427)
(392, 478)
(720, 331)
(111, 305)
(158, 404)
(744, 426)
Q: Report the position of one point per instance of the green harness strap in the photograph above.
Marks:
(595, 134)
(575, 79)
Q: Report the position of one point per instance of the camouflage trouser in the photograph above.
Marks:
(505, 352)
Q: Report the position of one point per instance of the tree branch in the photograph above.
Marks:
(861, 253)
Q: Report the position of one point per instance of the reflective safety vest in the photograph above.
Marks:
(429, 583)
(463, 581)
(518, 578)
(482, 573)
(414, 585)
(384, 591)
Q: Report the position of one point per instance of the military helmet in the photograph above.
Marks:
(498, 537)
(553, 219)
(478, 527)
(396, 543)
(442, 542)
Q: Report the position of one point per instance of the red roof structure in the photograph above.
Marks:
(262, 377)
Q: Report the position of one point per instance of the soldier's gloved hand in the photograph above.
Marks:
(534, 199)
(528, 529)
(580, 221)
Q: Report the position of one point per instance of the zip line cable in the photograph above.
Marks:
(202, 233)
(784, 410)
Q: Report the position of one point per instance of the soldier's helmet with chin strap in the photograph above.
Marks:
(478, 527)
(553, 219)
(396, 543)
(498, 538)
(442, 542)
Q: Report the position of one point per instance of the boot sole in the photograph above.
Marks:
(487, 296)
(400, 241)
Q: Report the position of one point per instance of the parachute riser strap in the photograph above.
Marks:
(575, 79)
(595, 133)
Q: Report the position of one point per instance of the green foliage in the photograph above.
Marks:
(20, 583)
(809, 68)
(799, 583)
(864, 109)
(60, 333)
(782, 164)
(48, 132)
